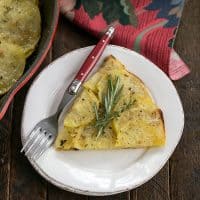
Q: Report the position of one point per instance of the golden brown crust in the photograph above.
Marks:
(109, 57)
(114, 59)
(162, 119)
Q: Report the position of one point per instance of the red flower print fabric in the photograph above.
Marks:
(146, 26)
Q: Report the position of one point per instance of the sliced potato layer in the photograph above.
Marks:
(82, 111)
(140, 126)
(84, 137)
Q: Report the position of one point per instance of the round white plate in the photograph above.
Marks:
(102, 172)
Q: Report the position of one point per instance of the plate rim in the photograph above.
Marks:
(87, 192)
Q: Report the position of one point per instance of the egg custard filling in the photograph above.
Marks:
(113, 111)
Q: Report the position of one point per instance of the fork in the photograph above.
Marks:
(45, 132)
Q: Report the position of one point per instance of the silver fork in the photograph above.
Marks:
(44, 133)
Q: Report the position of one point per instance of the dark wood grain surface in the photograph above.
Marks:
(180, 177)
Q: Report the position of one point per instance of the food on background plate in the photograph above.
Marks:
(20, 26)
(113, 111)
(12, 63)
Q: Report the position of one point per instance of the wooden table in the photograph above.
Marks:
(180, 177)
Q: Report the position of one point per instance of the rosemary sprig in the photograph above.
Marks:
(106, 113)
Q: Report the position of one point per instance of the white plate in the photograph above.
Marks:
(102, 172)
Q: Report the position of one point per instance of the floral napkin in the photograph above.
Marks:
(146, 26)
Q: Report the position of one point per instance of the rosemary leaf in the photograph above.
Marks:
(96, 112)
(107, 113)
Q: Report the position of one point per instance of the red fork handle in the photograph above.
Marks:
(90, 61)
(94, 56)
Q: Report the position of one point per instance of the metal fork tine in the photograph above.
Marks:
(36, 155)
(34, 143)
(44, 148)
(30, 137)
(40, 146)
